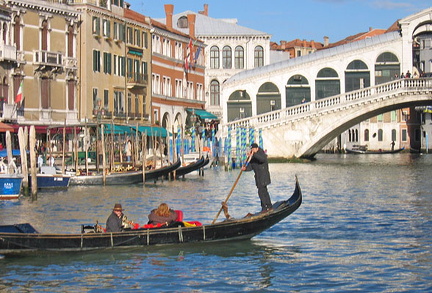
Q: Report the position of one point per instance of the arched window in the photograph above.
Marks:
(357, 76)
(44, 35)
(227, 57)
(380, 135)
(182, 22)
(297, 90)
(5, 28)
(214, 93)
(214, 57)
(393, 134)
(366, 135)
(258, 56)
(239, 57)
(17, 33)
(327, 83)
(387, 67)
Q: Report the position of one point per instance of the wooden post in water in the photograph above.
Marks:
(23, 153)
(144, 154)
(75, 150)
(10, 168)
(174, 152)
(33, 169)
(64, 148)
(103, 153)
(86, 147)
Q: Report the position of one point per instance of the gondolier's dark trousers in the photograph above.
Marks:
(264, 197)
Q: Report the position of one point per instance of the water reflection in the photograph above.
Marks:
(364, 225)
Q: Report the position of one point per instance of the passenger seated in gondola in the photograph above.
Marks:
(117, 221)
(165, 216)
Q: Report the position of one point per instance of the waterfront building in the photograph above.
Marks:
(230, 48)
(177, 74)
(39, 63)
(114, 63)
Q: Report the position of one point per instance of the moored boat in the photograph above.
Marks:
(24, 238)
(49, 179)
(10, 186)
(121, 178)
(380, 152)
(191, 167)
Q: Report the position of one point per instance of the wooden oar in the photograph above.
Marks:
(232, 188)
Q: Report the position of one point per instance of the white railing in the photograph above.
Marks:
(48, 58)
(335, 103)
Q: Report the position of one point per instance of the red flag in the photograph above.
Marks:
(19, 95)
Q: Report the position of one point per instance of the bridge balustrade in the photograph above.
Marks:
(334, 103)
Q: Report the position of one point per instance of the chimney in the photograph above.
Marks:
(205, 11)
(326, 41)
(169, 9)
(312, 44)
(370, 28)
(191, 23)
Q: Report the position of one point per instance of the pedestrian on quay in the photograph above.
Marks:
(259, 164)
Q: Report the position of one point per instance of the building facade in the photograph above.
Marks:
(114, 63)
(230, 48)
(177, 74)
(44, 68)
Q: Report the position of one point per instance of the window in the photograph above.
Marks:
(129, 35)
(96, 61)
(200, 91)
(404, 135)
(182, 22)
(380, 135)
(137, 37)
(380, 118)
(214, 93)
(259, 56)
(106, 28)
(136, 105)
(156, 44)
(393, 135)
(96, 25)
(166, 47)
(178, 88)
(106, 99)
(366, 135)
(95, 98)
(393, 116)
(166, 86)
(227, 57)
(107, 62)
(156, 84)
(118, 103)
(178, 52)
(214, 57)
(145, 40)
(239, 57)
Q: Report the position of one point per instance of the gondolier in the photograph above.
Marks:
(259, 164)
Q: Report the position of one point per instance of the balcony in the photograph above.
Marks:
(47, 59)
(136, 80)
(8, 52)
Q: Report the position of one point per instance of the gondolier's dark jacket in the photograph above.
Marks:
(259, 164)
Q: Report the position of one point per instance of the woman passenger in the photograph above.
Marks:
(162, 215)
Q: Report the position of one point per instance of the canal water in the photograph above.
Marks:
(365, 225)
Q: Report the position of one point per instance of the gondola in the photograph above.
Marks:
(23, 238)
(192, 167)
(121, 178)
(378, 152)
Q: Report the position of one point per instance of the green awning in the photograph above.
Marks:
(131, 130)
(152, 131)
(117, 129)
(203, 114)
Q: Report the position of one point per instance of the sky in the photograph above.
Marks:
(296, 19)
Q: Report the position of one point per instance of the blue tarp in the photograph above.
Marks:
(3, 153)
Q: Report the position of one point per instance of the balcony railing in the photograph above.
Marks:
(48, 58)
(137, 80)
(7, 52)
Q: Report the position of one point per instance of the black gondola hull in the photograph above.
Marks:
(245, 228)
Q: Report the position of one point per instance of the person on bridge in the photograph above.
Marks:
(259, 164)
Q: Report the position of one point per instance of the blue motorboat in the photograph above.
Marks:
(10, 186)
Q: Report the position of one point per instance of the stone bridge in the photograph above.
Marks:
(303, 130)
